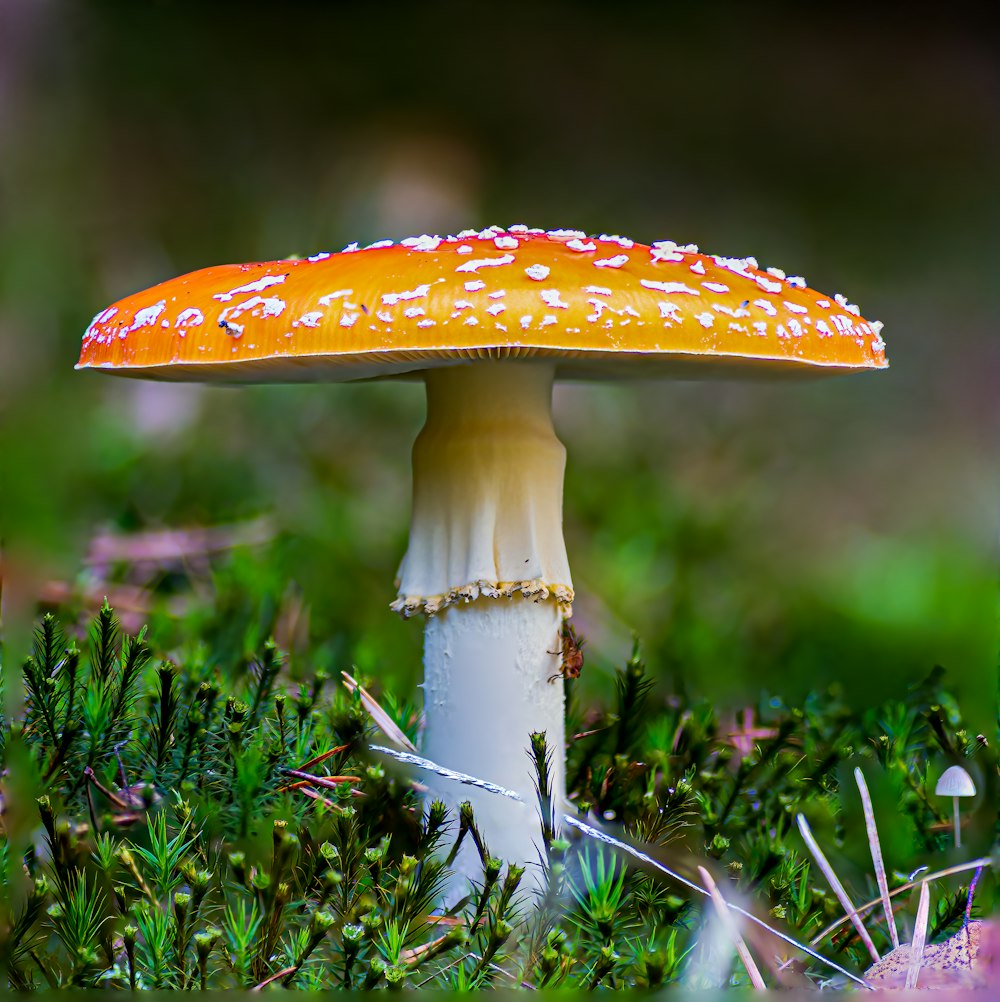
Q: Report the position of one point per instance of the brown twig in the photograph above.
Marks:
(274, 977)
(329, 782)
(313, 795)
(324, 756)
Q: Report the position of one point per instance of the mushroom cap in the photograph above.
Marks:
(601, 307)
(955, 782)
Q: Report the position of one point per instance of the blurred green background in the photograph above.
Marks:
(758, 537)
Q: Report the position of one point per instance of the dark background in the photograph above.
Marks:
(759, 538)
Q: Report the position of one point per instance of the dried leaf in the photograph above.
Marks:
(963, 961)
(383, 721)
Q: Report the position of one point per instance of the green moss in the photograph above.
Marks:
(153, 835)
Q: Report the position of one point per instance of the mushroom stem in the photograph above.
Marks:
(958, 825)
(487, 491)
(486, 671)
(487, 563)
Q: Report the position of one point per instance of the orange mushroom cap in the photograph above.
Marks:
(598, 307)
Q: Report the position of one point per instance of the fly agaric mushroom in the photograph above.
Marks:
(488, 320)
(956, 783)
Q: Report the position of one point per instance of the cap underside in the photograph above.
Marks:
(583, 365)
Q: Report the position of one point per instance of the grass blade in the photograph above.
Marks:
(902, 889)
(876, 848)
(919, 937)
(838, 888)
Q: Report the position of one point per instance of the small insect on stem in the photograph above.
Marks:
(571, 652)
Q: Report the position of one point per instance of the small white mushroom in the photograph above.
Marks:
(955, 782)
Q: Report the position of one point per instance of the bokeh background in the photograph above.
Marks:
(760, 538)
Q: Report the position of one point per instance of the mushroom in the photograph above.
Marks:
(956, 783)
(488, 320)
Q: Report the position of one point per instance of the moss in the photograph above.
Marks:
(211, 822)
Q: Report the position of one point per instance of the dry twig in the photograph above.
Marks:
(722, 910)
(838, 888)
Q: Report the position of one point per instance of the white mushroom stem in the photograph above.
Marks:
(487, 563)
(486, 671)
(487, 490)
